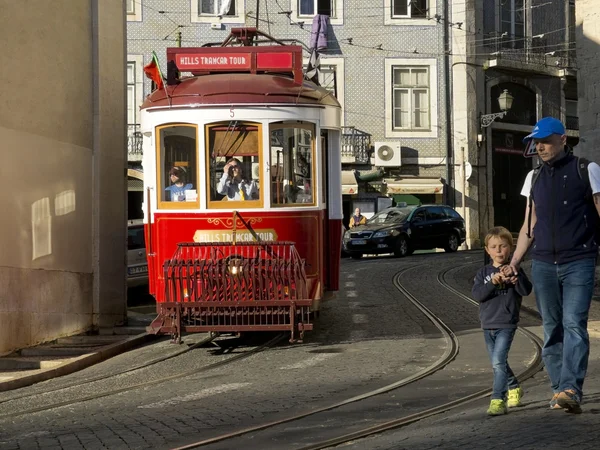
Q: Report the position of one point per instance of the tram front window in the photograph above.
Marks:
(234, 163)
(292, 156)
(177, 169)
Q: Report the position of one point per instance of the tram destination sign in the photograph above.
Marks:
(198, 61)
(268, 234)
(207, 62)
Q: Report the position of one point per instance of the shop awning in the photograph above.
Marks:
(415, 186)
(349, 183)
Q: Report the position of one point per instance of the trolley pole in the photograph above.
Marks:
(179, 39)
(257, 12)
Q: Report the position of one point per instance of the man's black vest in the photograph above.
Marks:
(567, 220)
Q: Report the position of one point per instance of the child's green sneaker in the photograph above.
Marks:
(497, 407)
(514, 397)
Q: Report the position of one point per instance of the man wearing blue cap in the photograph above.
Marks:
(561, 219)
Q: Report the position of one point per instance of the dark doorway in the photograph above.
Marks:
(509, 168)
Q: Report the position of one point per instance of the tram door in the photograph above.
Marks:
(325, 194)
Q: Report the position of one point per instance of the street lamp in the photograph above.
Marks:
(505, 101)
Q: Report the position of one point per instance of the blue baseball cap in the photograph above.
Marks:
(544, 128)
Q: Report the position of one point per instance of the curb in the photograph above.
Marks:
(77, 364)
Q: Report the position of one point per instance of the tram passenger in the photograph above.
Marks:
(178, 186)
(234, 185)
(499, 295)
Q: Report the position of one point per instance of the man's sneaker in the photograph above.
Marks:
(497, 408)
(554, 402)
(514, 397)
(568, 400)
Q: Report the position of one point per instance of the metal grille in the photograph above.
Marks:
(205, 272)
(224, 287)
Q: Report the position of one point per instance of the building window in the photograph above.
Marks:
(134, 10)
(306, 9)
(409, 12)
(292, 168)
(572, 26)
(331, 77)
(224, 11)
(177, 168)
(411, 97)
(572, 117)
(217, 7)
(512, 21)
(410, 8)
(135, 95)
(234, 161)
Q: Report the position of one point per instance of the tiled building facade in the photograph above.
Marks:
(413, 78)
(385, 62)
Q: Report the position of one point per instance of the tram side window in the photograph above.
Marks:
(292, 156)
(234, 162)
(177, 169)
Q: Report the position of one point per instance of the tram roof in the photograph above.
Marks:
(239, 88)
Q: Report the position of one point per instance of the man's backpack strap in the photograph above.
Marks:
(584, 174)
(534, 177)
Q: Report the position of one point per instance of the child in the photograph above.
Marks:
(499, 296)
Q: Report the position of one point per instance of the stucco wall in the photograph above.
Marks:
(588, 83)
(49, 125)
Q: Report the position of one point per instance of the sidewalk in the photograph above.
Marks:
(70, 354)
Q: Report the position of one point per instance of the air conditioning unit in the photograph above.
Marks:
(387, 154)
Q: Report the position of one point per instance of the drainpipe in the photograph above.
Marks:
(450, 197)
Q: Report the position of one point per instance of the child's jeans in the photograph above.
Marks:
(498, 343)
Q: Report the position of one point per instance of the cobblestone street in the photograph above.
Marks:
(367, 336)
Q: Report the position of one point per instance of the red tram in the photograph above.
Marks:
(242, 175)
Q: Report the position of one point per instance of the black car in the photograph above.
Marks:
(402, 230)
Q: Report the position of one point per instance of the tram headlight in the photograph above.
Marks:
(235, 266)
(347, 235)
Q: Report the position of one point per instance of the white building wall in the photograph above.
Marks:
(62, 139)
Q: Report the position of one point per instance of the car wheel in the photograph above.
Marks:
(452, 244)
(356, 255)
(402, 247)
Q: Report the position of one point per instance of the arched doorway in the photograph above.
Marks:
(509, 164)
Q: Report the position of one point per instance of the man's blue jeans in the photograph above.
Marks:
(498, 343)
(563, 294)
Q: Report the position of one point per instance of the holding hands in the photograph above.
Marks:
(506, 275)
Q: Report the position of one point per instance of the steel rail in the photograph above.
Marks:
(203, 341)
(230, 360)
(450, 353)
(529, 372)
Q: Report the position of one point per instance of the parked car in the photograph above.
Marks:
(404, 229)
(137, 265)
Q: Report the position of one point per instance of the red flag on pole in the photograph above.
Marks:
(152, 71)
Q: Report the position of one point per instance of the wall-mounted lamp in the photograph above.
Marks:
(505, 100)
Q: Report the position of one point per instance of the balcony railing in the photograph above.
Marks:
(572, 123)
(519, 49)
(134, 142)
(356, 146)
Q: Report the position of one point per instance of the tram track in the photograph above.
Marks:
(450, 353)
(272, 342)
(208, 339)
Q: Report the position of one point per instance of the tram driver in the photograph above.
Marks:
(234, 185)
